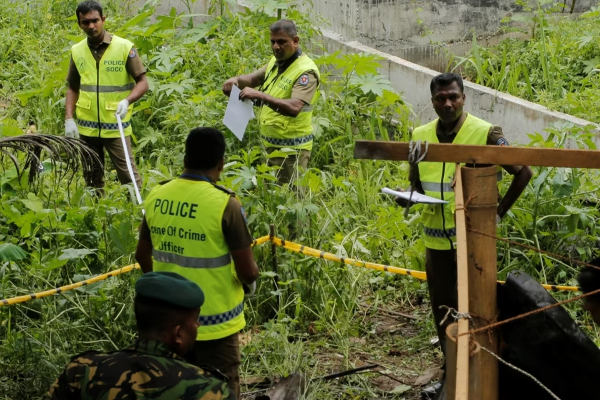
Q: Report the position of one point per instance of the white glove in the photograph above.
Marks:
(122, 108)
(498, 219)
(71, 130)
(249, 289)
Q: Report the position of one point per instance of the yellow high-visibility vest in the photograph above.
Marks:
(184, 218)
(102, 88)
(439, 226)
(279, 130)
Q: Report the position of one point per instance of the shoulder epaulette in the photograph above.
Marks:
(224, 189)
(218, 374)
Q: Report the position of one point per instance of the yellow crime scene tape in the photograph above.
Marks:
(291, 246)
(298, 248)
(22, 299)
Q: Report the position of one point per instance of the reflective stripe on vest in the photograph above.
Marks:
(184, 217)
(289, 142)
(439, 233)
(107, 89)
(447, 187)
(103, 85)
(103, 126)
(278, 130)
(435, 186)
(217, 319)
(191, 262)
(438, 220)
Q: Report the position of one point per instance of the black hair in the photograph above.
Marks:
(158, 316)
(589, 280)
(446, 79)
(204, 148)
(285, 25)
(88, 6)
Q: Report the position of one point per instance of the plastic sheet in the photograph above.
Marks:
(548, 345)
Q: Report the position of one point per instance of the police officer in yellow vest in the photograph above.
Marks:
(197, 229)
(287, 94)
(106, 76)
(435, 180)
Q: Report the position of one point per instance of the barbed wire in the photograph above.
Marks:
(501, 239)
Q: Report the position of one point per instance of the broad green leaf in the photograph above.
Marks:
(375, 84)
(10, 130)
(72, 254)
(33, 202)
(10, 252)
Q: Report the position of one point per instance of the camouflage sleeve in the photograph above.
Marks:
(61, 390)
(210, 385)
(218, 390)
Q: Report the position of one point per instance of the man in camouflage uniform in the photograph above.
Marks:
(167, 307)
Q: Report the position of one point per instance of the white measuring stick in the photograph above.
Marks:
(126, 151)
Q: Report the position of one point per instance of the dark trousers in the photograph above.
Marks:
(442, 283)
(114, 147)
(289, 165)
(222, 354)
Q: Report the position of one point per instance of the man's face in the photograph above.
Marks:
(593, 308)
(448, 102)
(283, 46)
(92, 24)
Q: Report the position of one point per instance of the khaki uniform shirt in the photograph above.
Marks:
(304, 88)
(134, 65)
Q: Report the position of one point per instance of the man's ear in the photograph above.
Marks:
(177, 331)
(221, 165)
(296, 40)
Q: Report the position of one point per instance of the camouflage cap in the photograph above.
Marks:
(171, 288)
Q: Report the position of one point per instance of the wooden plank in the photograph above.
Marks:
(462, 346)
(480, 187)
(495, 155)
(451, 352)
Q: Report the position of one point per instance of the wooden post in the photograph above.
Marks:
(481, 199)
(461, 367)
(451, 352)
(474, 367)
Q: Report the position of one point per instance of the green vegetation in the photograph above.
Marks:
(323, 317)
(558, 65)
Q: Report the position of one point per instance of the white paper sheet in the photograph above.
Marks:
(238, 113)
(416, 197)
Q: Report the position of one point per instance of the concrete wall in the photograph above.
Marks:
(406, 28)
(516, 116)
(199, 7)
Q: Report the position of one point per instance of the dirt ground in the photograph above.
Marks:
(398, 342)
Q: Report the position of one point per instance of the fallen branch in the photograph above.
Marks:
(393, 313)
(346, 373)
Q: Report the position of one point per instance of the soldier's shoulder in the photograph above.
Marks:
(87, 355)
(205, 383)
(224, 189)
